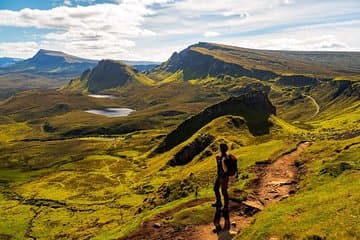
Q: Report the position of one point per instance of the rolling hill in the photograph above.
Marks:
(291, 119)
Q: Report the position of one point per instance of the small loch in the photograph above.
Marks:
(111, 112)
(102, 96)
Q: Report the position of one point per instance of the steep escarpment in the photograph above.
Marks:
(209, 59)
(254, 107)
(334, 95)
(196, 64)
(297, 80)
(346, 88)
(187, 153)
(108, 74)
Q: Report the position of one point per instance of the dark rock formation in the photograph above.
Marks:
(145, 68)
(108, 74)
(254, 107)
(85, 75)
(346, 88)
(297, 80)
(198, 65)
(187, 153)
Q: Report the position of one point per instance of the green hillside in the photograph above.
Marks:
(69, 174)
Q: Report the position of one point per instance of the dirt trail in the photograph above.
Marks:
(275, 181)
(316, 105)
(278, 180)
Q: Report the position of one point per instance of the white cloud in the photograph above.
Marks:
(18, 49)
(152, 29)
(315, 38)
(67, 2)
(211, 34)
(101, 30)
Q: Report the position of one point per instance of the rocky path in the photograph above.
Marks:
(275, 181)
(278, 180)
(316, 105)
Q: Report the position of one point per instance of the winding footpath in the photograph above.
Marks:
(315, 104)
(275, 181)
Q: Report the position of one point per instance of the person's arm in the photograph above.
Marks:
(224, 167)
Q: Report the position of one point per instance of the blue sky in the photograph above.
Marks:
(153, 29)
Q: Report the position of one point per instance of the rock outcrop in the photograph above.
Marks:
(108, 74)
(187, 153)
(297, 81)
(346, 88)
(195, 65)
(254, 107)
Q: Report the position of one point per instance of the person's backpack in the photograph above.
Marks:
(231, 163)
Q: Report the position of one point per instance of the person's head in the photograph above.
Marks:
(223, 148)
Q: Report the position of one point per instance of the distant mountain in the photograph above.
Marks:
(108, 74)
(145, 68)
(53, 64)
(208, 59)
(142, 66)
(59, 65)
(7, 61)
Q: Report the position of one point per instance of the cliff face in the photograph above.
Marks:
(199, 65)
(298, 80)
(346, 88)
(254, 107)
(108, 74)
(187, 153)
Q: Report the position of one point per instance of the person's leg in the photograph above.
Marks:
(224, 190)
(226, 218)
(217, 218)
(217, 204)
(217, 193)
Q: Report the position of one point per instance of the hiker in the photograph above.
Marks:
(226, 167)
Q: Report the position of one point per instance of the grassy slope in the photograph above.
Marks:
(107, 177)
(327, 204)
(107, 174)
(285, 62)
(102, 182)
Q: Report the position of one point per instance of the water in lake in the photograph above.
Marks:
(102, 96)
(111, 112)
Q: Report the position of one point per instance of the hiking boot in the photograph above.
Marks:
(217, 229)
(217, 204)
